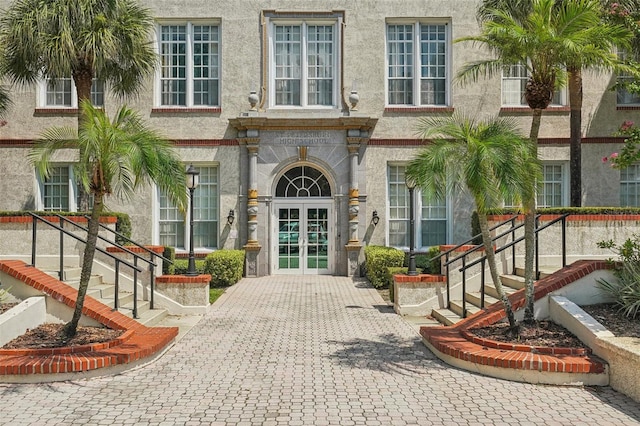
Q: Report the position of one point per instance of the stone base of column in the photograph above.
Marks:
(353, 255)
(251, 259)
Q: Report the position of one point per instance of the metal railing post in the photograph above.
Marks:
(482, 281)
(464, 287)
(564, 241)
(513, 247)
(153, 279)
(448, 280)
(61, 271)
(536, 239)
(33, 240)
(135, 288)
(117, 286)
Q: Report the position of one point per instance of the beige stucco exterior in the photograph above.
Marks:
(222, 136)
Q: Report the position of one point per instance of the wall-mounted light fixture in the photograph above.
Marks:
(231, 217)
(375, 218)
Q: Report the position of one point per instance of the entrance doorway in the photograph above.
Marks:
(303, 223)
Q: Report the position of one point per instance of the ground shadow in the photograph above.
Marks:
(390, 354)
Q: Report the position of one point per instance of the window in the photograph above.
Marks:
(430, 216)
(174, 227)
(417, 64)
(625, 97)
(61, 93)
(630, 186)
(304, 61)
(190, 65)
(59, 192)
(552, 190)
(514, 84)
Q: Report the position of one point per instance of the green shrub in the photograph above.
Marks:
(433, 266)
(378, 259)
(225, 267)
(625, 290)
(180, 266)
(123, 226)
(167, 267)
(391, 271)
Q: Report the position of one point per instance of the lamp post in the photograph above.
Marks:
(192, 184)
(411, 185)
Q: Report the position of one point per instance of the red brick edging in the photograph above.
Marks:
(459, 342)
(136, 343)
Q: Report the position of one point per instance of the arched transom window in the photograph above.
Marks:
(303, 181)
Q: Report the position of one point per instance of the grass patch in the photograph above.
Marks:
(214, 293)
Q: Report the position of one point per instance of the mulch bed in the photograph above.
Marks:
(51, 336)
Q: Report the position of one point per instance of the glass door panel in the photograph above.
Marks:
(288, 238)
(317, 239)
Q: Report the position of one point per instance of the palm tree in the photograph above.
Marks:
(545, 36)
(489, 158)
(590, 41)
(116, 157)
(108, 40)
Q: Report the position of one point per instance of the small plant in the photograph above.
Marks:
(626, 288)
(4, 295)
(225, 267)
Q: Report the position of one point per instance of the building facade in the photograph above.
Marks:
(300, 117)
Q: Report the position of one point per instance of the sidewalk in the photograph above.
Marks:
(298, 350)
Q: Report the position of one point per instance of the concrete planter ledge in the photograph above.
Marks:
(411, 291)
(28, 314)
(186, 290)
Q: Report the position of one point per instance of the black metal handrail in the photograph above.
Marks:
(117, 260)
(512, 245)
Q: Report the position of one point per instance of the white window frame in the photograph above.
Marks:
(634, 182)
(43, 89)
(418, 209)
(564, 182)
(624, 98)
(189, 63)
(336, 23)
(559, 96)
(417, 65)
(217, 219)
(72, 190)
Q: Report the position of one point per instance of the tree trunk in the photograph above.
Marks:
(575, 120)
(87, 264)
(529, 225)
(83, 81)
(497, 282)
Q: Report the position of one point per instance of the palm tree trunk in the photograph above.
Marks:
(83, 82)
(497, 282)
(529, 225)
(87, 264)
(575, 124)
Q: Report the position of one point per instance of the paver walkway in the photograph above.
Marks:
(306, 351)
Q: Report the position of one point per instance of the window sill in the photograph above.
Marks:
(184, 110)
(628, 108)
(526, 109)
(410, 109)
(56, 111)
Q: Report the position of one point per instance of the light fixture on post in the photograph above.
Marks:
(411, 185)
(193, 177)
(375, 218)
(231, 217)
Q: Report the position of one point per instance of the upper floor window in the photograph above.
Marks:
(630, 186)
(624, 97)
(304, 61)
(418, 64)
(514, 84)
(173, 226)
(61, 93)
(190, 65)
(430, 215)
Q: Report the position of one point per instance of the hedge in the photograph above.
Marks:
(225, 267)
(378, 259)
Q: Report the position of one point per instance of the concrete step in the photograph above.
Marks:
(490, 290)
(146, 316)
(476, 297)
(456, 307)
(445, 316)
(513, 281)
(544, 270)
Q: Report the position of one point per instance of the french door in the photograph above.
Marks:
(303, 238)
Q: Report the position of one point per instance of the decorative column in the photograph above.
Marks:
(252, 248)
(353, 246)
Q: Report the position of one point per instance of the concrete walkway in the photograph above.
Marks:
(306, 351)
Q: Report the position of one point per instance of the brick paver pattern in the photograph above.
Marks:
(306, 351)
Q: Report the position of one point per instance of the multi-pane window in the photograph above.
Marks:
(630, 186)
(514, 84)
(205, 215)
(552, 189)
(417, 64)
(430, 215)
(56, 190)
(624, 97)
(62, 93)
(190, 65)
(304, 63)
